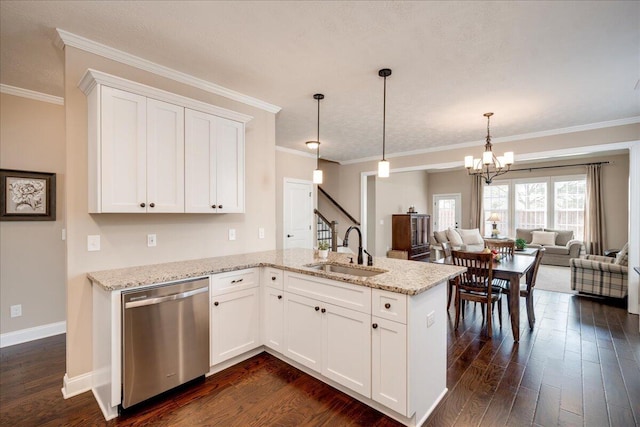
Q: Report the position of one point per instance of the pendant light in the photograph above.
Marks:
(317, 174)
(489, 166)
(383, 165)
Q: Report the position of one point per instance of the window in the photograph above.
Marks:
(496, 200)
(546, 202)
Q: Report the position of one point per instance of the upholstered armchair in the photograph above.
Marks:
(600, 275)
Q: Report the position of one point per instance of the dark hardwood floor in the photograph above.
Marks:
(579, 366)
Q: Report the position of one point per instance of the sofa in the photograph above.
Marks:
(600, 275)
(560, 246)
(460, 240)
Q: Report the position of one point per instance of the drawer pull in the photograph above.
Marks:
(375, 326)
(317, 308)
(236, 281)
(142, 205)
(279, 296)
(152, 205)
(216, 303)
(219, 206)
(324, 310)
(273, 277)
(387, 306)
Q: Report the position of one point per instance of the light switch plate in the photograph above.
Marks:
(431, 319)
(232, 234)
(151, 240)
(261, 233)
(93, 242)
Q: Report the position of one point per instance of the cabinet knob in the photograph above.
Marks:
(324, 310)
(375, 326)
(216, 303)
(273, 277)
(142, 205)
(213, 206)
(152, 205)
(279, 296)
(387, 306)
(317, 308)
(219, 206)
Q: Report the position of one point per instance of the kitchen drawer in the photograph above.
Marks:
(234, 281)
(273, 277)
(342, 294)
(389, 305)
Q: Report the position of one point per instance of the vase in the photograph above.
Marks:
(323, 253)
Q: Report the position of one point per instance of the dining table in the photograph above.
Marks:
(510, 268)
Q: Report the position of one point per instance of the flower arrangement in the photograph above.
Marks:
(323, 245)
(496, 256)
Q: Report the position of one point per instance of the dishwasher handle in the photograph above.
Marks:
(158, 300)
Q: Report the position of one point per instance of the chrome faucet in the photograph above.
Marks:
(345, 242)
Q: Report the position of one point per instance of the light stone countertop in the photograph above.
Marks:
(405, 277)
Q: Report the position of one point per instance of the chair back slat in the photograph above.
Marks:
(531, 278)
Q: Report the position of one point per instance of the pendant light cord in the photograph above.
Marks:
(384, 115)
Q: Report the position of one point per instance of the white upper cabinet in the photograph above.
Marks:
(144, 157)
(214, 164)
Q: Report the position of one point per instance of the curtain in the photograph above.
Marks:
(594, 229)
(476, 202)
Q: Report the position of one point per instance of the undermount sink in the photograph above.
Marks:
(345, 269)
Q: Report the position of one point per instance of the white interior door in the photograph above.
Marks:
(447, 211)
(298, 214)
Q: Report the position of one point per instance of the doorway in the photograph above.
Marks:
(297, 214)
(447, 211)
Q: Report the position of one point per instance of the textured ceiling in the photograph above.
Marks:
(538, 66)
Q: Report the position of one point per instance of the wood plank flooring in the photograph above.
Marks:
(579, 366)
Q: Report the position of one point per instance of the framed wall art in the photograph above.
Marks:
(27, 196)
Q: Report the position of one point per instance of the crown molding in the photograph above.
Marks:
(532, 135)
(92, 78)
(65, 38)
(31, 94)
(295, 152)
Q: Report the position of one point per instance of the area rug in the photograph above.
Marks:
(554, 278)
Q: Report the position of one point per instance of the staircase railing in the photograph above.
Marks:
(327, 230)
(337, 205)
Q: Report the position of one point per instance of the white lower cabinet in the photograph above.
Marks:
(389, 364)
(332, 340)
(234, 324)
(273, 318)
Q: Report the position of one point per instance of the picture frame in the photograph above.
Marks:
(27, 196)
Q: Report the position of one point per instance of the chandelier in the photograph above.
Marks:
(489, 166)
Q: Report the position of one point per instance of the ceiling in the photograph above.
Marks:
(539, 66)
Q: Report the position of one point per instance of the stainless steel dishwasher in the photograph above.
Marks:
(165, 338)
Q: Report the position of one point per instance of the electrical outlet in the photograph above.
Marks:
(64, 234)
(261, 233)
(151, 240)
(232, 234)
(93, 242)
(16, 310)
(431, 318)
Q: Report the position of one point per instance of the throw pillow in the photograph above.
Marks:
(543, 238)
(454, 237)
(525, 233)
(562, 237)
(623, 256)
(440, 236)
(471, 237)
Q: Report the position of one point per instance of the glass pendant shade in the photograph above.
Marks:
(317, 176)
(312, 145)
(468, 161)
(383, 169)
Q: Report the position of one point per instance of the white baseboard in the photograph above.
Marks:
(76, 385)
(31, 334)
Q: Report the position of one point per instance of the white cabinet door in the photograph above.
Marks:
(123, 152)
(273, 321)
(346, 344)
(389, 364)
(229, 166)
(234, 324)
(214, 164)
(165, 157)
(303, 327)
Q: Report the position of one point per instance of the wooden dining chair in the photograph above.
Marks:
(475, 284)
(503, 247)
(446, 250)
(526, 290)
